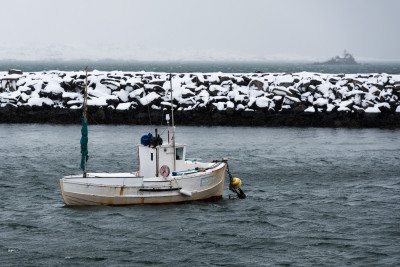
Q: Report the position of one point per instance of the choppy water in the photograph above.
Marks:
(227, 67)
(316, 197)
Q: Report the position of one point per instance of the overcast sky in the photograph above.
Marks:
(199, 29)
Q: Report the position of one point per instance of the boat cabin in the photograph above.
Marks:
(159, 161)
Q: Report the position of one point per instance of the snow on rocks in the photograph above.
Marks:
(302, 92)
(149, 99)
(124, 106)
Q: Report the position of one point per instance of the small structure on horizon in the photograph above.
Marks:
(345, 59)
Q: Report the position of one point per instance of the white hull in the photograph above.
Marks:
(130, 189)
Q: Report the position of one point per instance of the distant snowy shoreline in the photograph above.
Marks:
(226, 99)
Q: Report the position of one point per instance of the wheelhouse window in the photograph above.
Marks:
(179, 153)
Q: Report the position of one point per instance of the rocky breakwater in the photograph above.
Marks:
(250, 99)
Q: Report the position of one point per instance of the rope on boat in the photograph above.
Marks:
(234, 185)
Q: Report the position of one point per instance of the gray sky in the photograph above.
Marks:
(199, 29)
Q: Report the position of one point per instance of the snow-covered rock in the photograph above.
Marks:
(274, 92)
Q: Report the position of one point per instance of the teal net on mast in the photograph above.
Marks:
(84, 143)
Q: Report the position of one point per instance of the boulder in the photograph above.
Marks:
(157, 82)
(113, 101)
(333, 80)
(256, 84)
(111, 84)
(14, 71)
(396, 87)
(225, 78)
(245, 81)
(315, 82)
(187, 93)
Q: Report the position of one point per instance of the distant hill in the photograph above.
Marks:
(345, 59)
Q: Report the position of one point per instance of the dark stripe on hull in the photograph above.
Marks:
(159, 189)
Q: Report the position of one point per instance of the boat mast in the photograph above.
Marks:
(173, 124)
(85, 116)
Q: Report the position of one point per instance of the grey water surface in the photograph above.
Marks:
(316, 197)
(187, 66)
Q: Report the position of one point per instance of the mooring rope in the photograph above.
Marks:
(238, 191)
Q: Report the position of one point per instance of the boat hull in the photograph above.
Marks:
(130, 190)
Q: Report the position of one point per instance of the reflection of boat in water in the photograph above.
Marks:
(345, 59)
(165, 175)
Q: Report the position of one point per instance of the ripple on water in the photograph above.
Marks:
(315, 197)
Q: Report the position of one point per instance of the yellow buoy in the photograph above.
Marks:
(236, 183)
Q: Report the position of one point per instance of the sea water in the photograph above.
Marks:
(315, 197)
(227, 67)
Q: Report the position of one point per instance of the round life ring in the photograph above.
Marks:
(164, 171)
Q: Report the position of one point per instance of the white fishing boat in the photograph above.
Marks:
(154, 183)
(165, 175)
